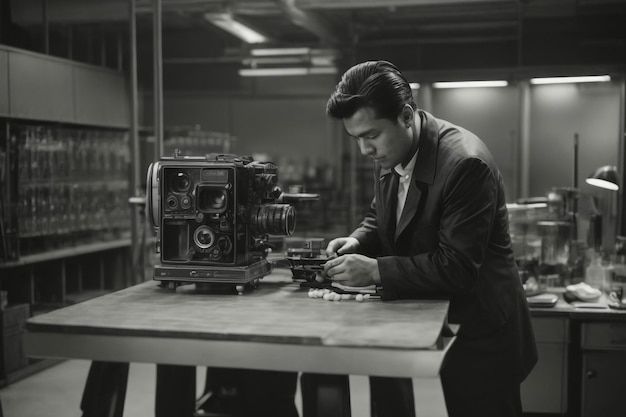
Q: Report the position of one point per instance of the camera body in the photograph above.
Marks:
(214, 215)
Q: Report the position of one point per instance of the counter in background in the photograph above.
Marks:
(582, 354)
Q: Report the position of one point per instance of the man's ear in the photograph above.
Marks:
(407, 115)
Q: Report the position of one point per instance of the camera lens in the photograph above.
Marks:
(273, 219)
(212, 200)
(180, 182)
(185, 202)
(172, 202)
(203, 237)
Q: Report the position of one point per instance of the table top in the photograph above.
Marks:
(278, 312)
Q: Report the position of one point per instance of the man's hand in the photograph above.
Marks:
(342, 245)
(352, 270)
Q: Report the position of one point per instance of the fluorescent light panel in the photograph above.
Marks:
(277, 72)
(279, 51)
(273, 60)
(234, 27)
(470, 84)
(414, 86)
(568, 80)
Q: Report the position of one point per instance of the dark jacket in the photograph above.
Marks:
(453, 240)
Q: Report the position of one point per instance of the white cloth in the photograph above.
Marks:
(405, 174)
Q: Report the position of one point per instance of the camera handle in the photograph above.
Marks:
(295, 197)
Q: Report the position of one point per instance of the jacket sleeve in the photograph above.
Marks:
(469, 204)
(367, 232)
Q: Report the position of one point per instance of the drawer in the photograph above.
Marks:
(604, 335)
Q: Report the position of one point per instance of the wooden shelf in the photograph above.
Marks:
(67, 252)
(79, 297)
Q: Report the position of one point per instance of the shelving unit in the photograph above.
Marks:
(66, 276)
(64, 185)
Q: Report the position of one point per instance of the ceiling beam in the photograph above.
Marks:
(28, 12)
(310, 22)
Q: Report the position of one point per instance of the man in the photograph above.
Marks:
(438, 225)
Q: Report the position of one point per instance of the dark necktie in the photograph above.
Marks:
(393, 197)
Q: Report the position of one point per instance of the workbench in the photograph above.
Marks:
(274, 327)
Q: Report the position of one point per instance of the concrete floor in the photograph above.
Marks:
(57, 391)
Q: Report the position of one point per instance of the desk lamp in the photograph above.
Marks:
(604, 177)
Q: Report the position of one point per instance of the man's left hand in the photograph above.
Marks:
(352, 270)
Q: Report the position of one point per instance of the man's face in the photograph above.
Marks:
(386, 142)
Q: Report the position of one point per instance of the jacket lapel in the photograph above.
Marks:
(424, 171)
(410, 209)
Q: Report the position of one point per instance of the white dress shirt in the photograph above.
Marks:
(403, 184)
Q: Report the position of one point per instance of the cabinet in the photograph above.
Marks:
(64, 182)
(603, 363)
(545, 389)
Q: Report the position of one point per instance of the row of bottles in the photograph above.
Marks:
(62, 186)
(192, 140)
(65, 208)
(606, 273)
(51, 153)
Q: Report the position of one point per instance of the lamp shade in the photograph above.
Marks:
(604, 177)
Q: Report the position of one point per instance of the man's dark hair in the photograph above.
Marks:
(376, 84)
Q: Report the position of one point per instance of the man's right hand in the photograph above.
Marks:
(342, 245)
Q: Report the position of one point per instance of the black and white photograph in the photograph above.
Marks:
(312, 208)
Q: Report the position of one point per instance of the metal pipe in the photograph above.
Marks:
(46, 27)
(120, 51)
(70, 42)
(135, 220)
(575, 179)
(103, 47)
(158, 80)
(621, 199)
(524, 156)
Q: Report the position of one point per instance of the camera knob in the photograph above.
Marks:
(193, 273)
(276, 192)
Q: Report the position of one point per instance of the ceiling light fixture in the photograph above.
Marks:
(414, 86)
(279, 51)
(568, 80)
(225, 21)
(276, 72)
(470, 84)
(272, 60)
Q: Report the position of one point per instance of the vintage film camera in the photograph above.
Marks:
(214, 215)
